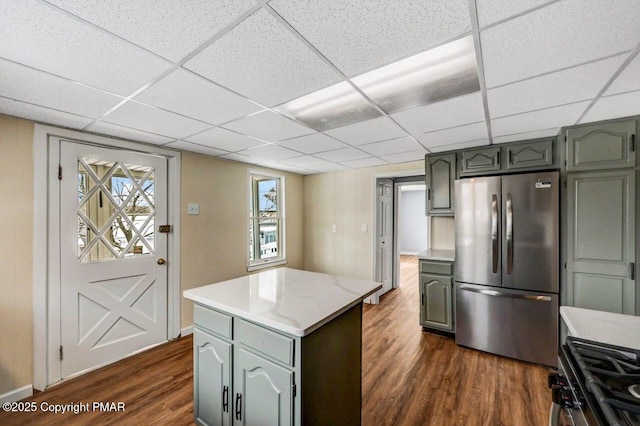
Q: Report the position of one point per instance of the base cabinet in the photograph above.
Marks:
(436, 295)
(212, 361)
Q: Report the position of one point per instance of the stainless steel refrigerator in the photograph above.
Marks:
(507, 265)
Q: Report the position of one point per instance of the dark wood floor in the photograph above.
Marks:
(409, 378)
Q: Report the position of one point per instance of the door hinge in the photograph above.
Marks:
(59, 172)
(61, 353)
(164, 229)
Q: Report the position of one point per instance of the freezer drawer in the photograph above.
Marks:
(513, 323)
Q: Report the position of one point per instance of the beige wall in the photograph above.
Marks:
(346, 200)
(443, 233)
(16, 258)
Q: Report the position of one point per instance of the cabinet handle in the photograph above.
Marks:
(633, 143)
(238, 406)
(633, 271)
(422, 296)
(225, 399)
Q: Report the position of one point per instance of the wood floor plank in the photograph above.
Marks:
(409, 377)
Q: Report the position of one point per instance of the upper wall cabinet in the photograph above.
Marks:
(601, 146)
(530, 155)
(440, 174)
(480, 161)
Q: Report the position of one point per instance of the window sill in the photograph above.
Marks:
(265, 265)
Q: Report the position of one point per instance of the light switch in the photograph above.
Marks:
(334, 228)
(193, 209)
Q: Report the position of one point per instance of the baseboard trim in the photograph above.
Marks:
(186, 331)
(17, 394)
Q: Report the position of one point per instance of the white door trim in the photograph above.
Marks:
(46, 274)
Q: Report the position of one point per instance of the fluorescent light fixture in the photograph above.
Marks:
(441, 73)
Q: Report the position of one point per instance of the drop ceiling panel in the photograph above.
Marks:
(472, 144)
(42, 114)
(278, 165)
(341, 155)
(169, 28)
(628, 80)
(571, 85)
(454, 135)
(358, 37)
(313, 143)
(613, 107)
(150, 119)
(224, 139)
(269, 152)
(268, 126)
(37, 87)
(564, 115)
(331, 167)
(306, 161)
(262, 60)
(527, 135)
(375, 130)
(441, 115)
(365, 162)
(405, 157)
(393, 146)
(41, 36)
(491, 11)
(191, 95)
(127, 133)
(182, 145)
(560, 35)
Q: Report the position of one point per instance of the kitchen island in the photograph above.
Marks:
(281, 347)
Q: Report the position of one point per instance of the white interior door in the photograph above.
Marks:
(113, 293)
(384, 233)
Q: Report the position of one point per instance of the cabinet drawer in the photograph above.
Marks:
(443, 268)
(270, 343)
(213, 321)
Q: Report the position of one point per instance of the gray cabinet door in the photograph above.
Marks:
(436, 305)
(480, 161)
(263, 391)
(601, 146)
(530, 155)
(440, 175)
(211, 379)
(601, 241)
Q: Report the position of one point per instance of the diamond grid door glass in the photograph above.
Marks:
(116, 212)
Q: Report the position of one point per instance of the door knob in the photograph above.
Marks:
(161, 261)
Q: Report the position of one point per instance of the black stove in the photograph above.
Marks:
(598, 384)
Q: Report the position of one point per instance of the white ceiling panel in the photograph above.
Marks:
(393, 146)
(224, 139)
(313, 143)
(560, 35)
(454, 135)
(268, 126)
(234, 156)
(127, 133)
(441, 115)
(527, 135)
(262, 60)
(378, 129)
(170, 28)
(491, 11)
(42, 114)
(365, 162)
(613, 107)
(331, 167)
(37, 87)
(269, 152)
(191, 95)
(405, 157)
(628, 80)
(186, 146)
(341, 155)
(279, 165)
(150, 119)
(564, 115)
(358, 37)
(41, 36)
(306, 161)
(558, 88)
(464, 145)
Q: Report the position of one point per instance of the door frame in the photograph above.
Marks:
(46, 274)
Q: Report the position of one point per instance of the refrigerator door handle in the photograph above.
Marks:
(535, 298)
(494, 232)
(509, 235)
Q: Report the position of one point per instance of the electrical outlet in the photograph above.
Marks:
(193, 209)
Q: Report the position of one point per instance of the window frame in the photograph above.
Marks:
(254, 177)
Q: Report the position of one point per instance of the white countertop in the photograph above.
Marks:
(438, 254)
(605, 327)
(290, 300)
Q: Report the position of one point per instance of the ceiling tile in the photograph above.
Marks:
(37, 87)
(42, 114)
(311, 144)
(169, 28)
(268, 126)
(564, 115)
(375, 130)
(628, 80)
(224, 139)
(191, 95)
(472, 144)
(560, 35)
(345, 154)
(365, 162)
(393, 146)
(614, 106)
(186, 146)
(454, 135)
(441, 115)
(269, 152)
(358, 37)
(490, 11)
(127, 133)
(143, 117)
(328, 168)
(405, 157)
(41, 36)
(571, 85)
(234, 156)
(262, 60)
(527, 135)
(305, 161)
(279, 165)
